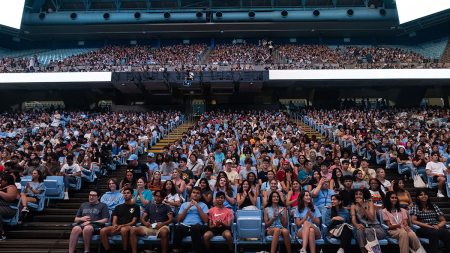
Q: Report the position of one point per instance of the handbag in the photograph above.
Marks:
(337, 231)
(418, 182)
(373, 246)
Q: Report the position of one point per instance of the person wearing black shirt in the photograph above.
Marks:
(347, 192)
(159, 218)
(124, 217)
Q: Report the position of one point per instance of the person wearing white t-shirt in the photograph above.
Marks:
(232, 175)
(436, 170)
(70, 171)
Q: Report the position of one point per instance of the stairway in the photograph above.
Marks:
(172, 137)
(308, 130)
(446, 55)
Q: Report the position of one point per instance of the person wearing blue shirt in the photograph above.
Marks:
(307, 220)
(322, 194)
(151, 164)
(192, 218)
(112, 198)
(334, 218)
(141, 196)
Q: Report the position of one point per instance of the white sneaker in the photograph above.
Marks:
(66, 196)
(302, 251)
(440, 195)
(340, 250)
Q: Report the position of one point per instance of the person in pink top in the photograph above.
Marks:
(220, 219)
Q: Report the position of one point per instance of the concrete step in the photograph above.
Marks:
(55, 218)
(39, 234)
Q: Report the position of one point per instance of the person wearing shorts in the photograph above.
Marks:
(155, 220)
(220, 219)
(90, 218)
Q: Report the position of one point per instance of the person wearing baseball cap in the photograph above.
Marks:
(139, 170)
(232, 175)
(151, 164)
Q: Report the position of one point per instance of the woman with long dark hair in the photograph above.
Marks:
(396, 219)
(155, 182)
(207, 194)
(376, 193)
(337, 180)
(365, 219)
(275, 218)
(173, 199)
(307, 219)
(431, 221)
(223, 184)
(246, 198)
(403, 195)
(337, 220)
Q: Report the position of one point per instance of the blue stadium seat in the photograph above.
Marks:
(15, 219)
(248, 225)
(39, 206)
(54, 187)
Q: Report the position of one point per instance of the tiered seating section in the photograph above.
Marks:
(263, 140)
(234, 56)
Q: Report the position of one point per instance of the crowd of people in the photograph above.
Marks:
(234, 56)
(253, 160)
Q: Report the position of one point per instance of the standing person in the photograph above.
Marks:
(220, 219)
(334, 218)
(275, 218)
(431, 220)
(397, 220)
(156, 220)
(307, 219)
(192, 217)
(436, 169)
(124, 217)
(90, 218)
(113, 197)
(70, 171)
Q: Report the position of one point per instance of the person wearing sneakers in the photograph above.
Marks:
(436, 169)
(90, 218)
(31, 192)
(70, 171)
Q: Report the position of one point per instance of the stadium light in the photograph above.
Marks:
(41, 15)
(251, 14)
(166, 14)
(137, 15)
(350, 12)
(106, 15)
(199, 14)
(219, 14)
(316, 13)
(284, 13)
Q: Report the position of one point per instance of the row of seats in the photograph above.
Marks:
(249, 229)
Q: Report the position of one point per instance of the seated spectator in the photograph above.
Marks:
(195, 165)
(337, 180)
(90, 218)
(33, 190)
(220, 220)
(305, 175)
(155, 182)
(124, 217)
(246, 198)
(358, 180)
(316, 178)
(9, 195)
(223, 185)
(206, 192)
(347, 193)
(273, 188)
(404, 161)
(128, 181)
(292, 196)
(276, 221)
(436, 170)
(172, 198)
(396, 219)
(141, 196)
(180, 184)
(403, 196)
(376, 194)
(431, 220)
(337, 218)
(192, 218)
(322, 194)
(155, 220)
(246, 170)
(186, 174)
(307, 220)
(365, 219)
(70, 171)
(232, 175)
(113, 197)
(139, 170)
(265, 186)
(208, 175)
(253, 183)
(151, 164)
(385, 184)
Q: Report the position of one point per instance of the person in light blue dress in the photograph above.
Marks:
(276, 220)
